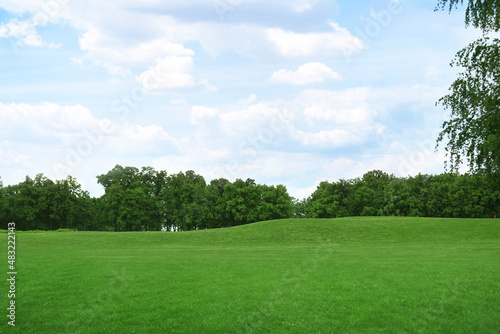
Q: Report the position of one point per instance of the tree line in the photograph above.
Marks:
(141, 200)
(447, 195)
(149, 200)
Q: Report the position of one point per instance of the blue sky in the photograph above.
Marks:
(289, 92)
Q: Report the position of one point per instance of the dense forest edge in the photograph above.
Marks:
(149, 200)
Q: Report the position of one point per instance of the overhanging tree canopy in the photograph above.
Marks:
(472, 133)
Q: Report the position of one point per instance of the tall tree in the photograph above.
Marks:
(217, 215)
(131, 198)
(473, 133)
(242, 199)
(183, 201)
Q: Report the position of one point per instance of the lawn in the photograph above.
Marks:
(349, 275)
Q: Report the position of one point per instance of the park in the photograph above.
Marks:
(344, 275)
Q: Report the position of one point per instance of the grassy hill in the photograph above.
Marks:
(350, 275)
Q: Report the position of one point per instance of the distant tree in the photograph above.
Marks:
(329, 200)
(70, 206)
(42, 204)
(138, 209)
(396, 198)
(131, 198)
(417, 195)
(184, 201)
(377, 181)
(242, 200)
(216, 214)
(300, 208)
(362, 201)
(275, 203)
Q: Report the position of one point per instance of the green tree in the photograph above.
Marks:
(361, 202)
(472, 133)
(70, 206)
(242, 199)
(377, 181)
(275, 203)
(131, 197)
(396, 194)
(329, 200)
(482, 14)
(300, 208)
(217, 215)
(183, 201)
(40, 203)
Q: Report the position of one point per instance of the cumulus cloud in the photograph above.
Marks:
(304, 5)
(118, 54)
(178, 102)
(45, 119)
(252, 98)
(330, 118)
(309, 73)
(39, 14)
(339, 41)
(108, 38)
(67, 136)
(433, 72)
(199, 113)
(172, 74)
(248, 121)
(111, 43)
(327, 138)
(24, 32)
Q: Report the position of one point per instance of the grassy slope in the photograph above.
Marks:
(352, 275)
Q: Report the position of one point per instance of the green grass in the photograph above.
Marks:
(350, 275)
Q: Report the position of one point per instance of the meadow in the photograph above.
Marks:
(345, 275)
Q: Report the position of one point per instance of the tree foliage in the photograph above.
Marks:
(149, 200)
(482, 14)
(472, 134)
(40, 203)
(377, 193)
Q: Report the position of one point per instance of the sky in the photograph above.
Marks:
(290, 92)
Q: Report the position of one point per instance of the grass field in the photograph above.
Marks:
(350, 275)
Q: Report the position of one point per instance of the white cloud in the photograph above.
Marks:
(118, 54)
(110, 40)
(337, 118)
(60, 139)
(252, 98)
(24, 32)
(45, 119)
(36, 8)
(137, 133)
(403, 160)
(432, 72)
(359, 115)
(327, 138)
(338, 42)
(172, 74)
(199, 113)
(304, 5)
(261, 42)
(178, 101)
(39, 14)
(306, 74)
(78, 61)
(248, 121)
